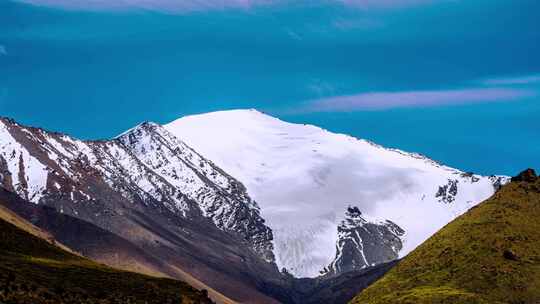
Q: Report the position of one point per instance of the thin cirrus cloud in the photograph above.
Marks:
(158, 5)
(197, 5)
(368, 4)
(390, 100)
(523, 80)
(355, 24)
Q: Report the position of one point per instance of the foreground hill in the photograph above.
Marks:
(489, 255)
(35, 270)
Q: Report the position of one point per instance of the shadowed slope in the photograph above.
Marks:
(33, 270)
(91, 241)
(14, 219)
(489, 255)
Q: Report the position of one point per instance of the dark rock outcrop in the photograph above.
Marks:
(528, 175)
(362, 243)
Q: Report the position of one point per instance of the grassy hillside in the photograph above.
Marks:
(489, 255)
(33, 270)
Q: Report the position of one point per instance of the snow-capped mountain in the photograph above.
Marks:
(146, 163)
(305, 179)
(217, 195)
(154, 191)
(324, 203)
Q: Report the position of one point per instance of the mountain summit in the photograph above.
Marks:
(305, 178)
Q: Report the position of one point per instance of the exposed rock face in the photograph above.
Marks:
(447, 193)
(146, 165)
(498, 181)
(363, 243)
(218, 195)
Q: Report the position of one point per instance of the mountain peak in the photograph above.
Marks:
(216, 118)
(305, 177)
(143, 126)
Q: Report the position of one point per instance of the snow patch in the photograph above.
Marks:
(28, 175)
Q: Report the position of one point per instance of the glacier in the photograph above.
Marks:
(304, 179)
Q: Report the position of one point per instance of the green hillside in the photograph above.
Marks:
(489, 255)
(34, 271)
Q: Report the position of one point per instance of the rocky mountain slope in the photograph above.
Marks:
(363, 243)
(154, 192)
(491, 254)
(146, 163)
(305, 179)
(35, 270)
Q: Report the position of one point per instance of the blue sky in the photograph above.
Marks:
(456, 80)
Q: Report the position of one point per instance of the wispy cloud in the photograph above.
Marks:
(321, 87)
(529, 79)
(3, 50)
(198, 5)
(354, 24)
(367, 4)
(389, 100)
(158, 5)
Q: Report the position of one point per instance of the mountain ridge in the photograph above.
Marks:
(180, 212)
(320, 174)
(108, 185)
